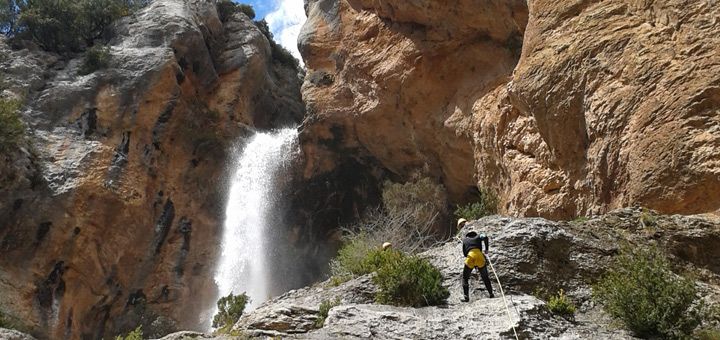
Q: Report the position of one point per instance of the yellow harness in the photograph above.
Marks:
(475, 258)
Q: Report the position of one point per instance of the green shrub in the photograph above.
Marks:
(581, 219)
(136, 334)
(325, 307)
(227, 8)
(560, 304)
(230, 309)
(357, 257)
(647, 219)
(403, 280)
(4, 323)
(12, 130)
(410, 281)
(708, 334)
(642, 291)
(485, 206)
(96, 58)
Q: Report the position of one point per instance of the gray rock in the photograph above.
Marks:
(188, 336)
(11, 334)
(529, 254)
(65, 156)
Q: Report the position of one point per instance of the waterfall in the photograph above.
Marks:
(249, 215)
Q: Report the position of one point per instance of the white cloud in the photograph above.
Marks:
(285, 23)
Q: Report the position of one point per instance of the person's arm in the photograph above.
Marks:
(487, 243)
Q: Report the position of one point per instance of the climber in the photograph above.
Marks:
(387, 245)
(475, 258)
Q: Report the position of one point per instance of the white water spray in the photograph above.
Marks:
(243, 265)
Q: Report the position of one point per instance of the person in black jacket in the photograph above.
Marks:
(475, 258)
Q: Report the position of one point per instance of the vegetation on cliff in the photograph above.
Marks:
(227, 8)
(11, 127)
(643, 291)
(136, 334)
(230, 309)
(96, 58)
(486, 205)
(63, 25)
(407, 219)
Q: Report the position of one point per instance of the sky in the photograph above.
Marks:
(285, 18)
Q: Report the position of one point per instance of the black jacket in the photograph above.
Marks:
(473, 240)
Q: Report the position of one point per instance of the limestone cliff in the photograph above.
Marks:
(112, 211)
(562, 108)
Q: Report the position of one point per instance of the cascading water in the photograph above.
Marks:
(244, 263)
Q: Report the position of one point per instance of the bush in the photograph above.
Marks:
(642, 291)
(397, 227)
(561, 305)
(707, 334)
(12, 130)
(410, 281)
(227, 8)
(230, 309)
(357, 257)
(96, 58)
(403, 280)
(325, 307)
(65, 25)
(485, 206)
(4, 323)
(136, 334)
(426, 197)
(279, 53)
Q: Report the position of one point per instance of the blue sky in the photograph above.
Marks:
(262, 7)
(285, 18)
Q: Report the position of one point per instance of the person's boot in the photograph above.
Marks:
(488, 286)
(466, 293)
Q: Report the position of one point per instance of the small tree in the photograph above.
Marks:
(230, 309)
(67, 25)
(561, 305)
(642, 291)
(324, 310)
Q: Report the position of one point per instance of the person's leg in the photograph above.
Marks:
(486, 279)
(465, 284)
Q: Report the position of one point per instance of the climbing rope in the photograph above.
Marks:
(507, 309)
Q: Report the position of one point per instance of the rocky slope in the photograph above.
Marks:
(111, 214)
(562, 108)
(529, 254)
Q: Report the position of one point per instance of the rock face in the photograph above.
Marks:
(529, 255)
(609, 104)
(111, 214)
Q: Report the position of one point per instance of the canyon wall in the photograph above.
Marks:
(112, 211)
(561, 108)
